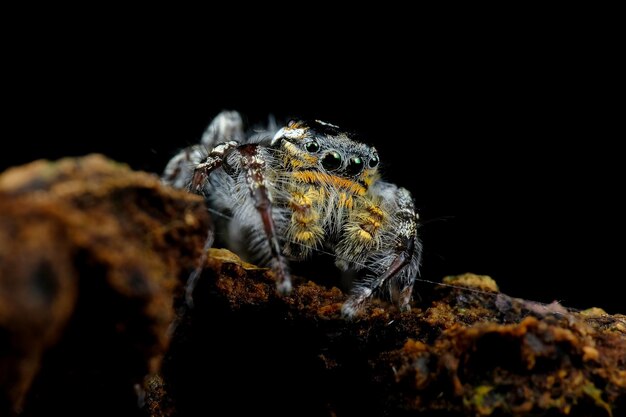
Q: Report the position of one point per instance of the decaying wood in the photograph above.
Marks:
(93, 259)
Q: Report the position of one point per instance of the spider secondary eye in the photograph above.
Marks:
(373, 162)
(332, 160)
(312, 146)
(355, 165)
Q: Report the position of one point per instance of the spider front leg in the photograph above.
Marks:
(400, 259)
(253, 163)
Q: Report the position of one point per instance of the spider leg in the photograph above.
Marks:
(401, 271)
(254, 165)
(214, 160)
(226, 126)
(202, 171)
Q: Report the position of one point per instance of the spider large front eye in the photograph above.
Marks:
(373, 161)
(332, 160)
(312, 146)
(355, 165)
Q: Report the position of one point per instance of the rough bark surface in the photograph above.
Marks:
(93, 258)
(90, 258)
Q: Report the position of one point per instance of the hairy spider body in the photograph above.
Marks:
(283, 193)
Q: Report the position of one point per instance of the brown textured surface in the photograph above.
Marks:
(90, 256)
(91, 260)
(464, 351)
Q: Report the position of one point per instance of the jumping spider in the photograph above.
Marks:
(283, 193)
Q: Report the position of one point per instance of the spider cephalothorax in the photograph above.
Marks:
(284, 193)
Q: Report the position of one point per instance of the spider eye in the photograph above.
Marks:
(312, 146)
(374, 161)
(355, 165)
(332, 160)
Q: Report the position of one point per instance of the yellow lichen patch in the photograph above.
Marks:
(320, 178)
(481, 282)
(596, 394)
(226, 256)
(440, 315)
(593, 312)
(620, 325)
(482, 401)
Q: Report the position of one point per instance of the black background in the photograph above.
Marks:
(508, 143)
